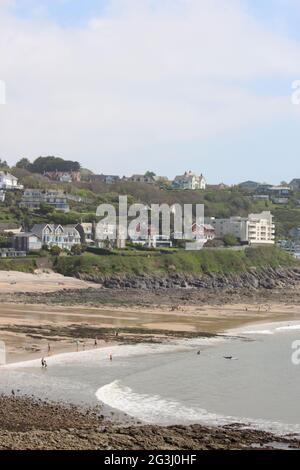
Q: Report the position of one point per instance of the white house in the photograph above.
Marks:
(256, 229)
(8, 181)
(189, 181)
(63, 236)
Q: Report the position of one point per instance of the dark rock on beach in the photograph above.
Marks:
(27, 424)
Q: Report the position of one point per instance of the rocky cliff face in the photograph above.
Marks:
(264, 278)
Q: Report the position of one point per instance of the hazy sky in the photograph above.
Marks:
(125, 86)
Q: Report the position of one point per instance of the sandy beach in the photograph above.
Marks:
(12, 282)
(45, 314)
(37, 317)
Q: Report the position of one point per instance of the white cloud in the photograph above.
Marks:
(136, 76)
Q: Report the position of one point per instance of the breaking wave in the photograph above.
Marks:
(157, 410)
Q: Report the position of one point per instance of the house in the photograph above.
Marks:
(26, 242)
(33, 199)
(202, 232)
(107, 179)
(146, 179)
(9, 182)
(64, 176)
(86, 232)
(2, 195)
(256, 229)
(273, 191)
(295, 184)
(280, 191)
(63, 236)
(189, 181)
(249, 185)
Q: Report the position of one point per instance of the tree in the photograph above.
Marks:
(44, 164)
(76, 250)
(55, 250)
(230, 240)
(150, 173)
(3, 164)
(46, 209)
(24, 164)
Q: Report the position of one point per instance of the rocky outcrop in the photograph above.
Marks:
(264, 278)
(26, 424)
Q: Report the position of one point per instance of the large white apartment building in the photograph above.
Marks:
(256, 229)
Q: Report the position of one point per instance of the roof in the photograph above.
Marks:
(5, 173)
(38, 228)
(26, 235)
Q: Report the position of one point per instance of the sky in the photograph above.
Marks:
(126, 86)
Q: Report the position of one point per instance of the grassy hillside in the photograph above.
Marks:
(204, 261)
(25, 265)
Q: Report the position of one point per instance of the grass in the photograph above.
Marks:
(25, 265)
(204, 261)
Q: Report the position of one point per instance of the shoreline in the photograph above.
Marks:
(29, 322)
(93, 428)
(28, 329)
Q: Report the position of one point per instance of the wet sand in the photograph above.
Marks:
(29, 330)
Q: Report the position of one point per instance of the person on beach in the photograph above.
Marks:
(96, 343)
(110, 357)
(44, 363)
(198, 353)
(49, 348)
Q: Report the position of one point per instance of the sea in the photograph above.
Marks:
(249, 376)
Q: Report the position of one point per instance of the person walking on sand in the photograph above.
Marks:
(49, 348)
(96, 343)
(110, 357)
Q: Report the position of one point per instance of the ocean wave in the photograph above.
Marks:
(153, 409)
(266, 328)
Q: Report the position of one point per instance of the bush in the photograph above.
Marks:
(230, 240)
(55, 250)
(77, 250)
